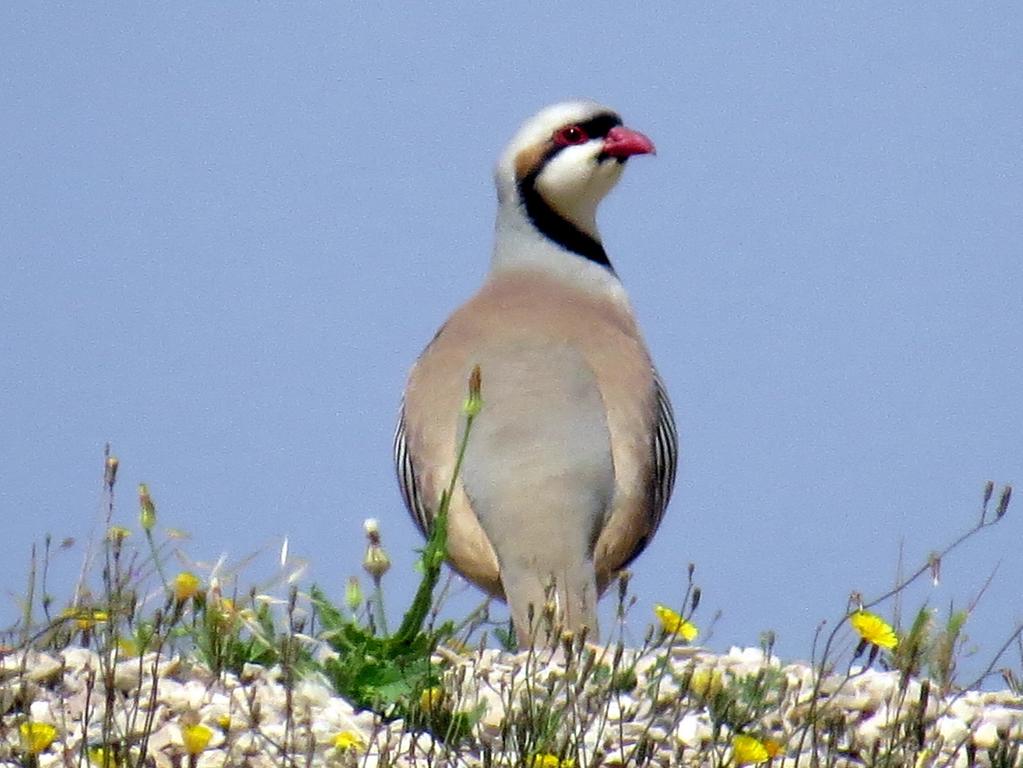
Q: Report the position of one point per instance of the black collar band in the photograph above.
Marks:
(557, 228)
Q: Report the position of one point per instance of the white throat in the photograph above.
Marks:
(518, 245)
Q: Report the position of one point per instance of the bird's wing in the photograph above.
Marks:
(651, 451)
(406, 472)
(665, 455)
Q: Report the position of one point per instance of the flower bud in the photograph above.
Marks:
(376, 562)
(353, 594)
(474, 402)
(147, 509)
(110, 472)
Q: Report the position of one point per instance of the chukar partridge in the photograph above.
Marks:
(571, 461)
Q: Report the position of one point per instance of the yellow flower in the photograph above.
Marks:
(748, 750)
(773, 747)
(346, 740)
(85, 618)
(924, 759)
(673, 624)
(706, 683)
(224, 721)
(196, 738)
(117, 533)
(36, 737)
(547, 760)
(873, 629)
(103, 758)
(431, 699)
(186, 586)
(225, 613)
(128, 646)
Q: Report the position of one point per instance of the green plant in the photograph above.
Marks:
(390, 673)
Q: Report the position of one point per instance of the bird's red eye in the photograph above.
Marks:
(570, 134)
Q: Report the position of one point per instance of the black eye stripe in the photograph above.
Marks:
(599, 126)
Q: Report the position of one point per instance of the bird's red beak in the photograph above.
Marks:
(622, 142)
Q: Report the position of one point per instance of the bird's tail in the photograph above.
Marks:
(545, 603)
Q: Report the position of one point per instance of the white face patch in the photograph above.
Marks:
(533, 139)
(573, 183)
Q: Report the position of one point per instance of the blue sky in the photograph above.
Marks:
(227, 230)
